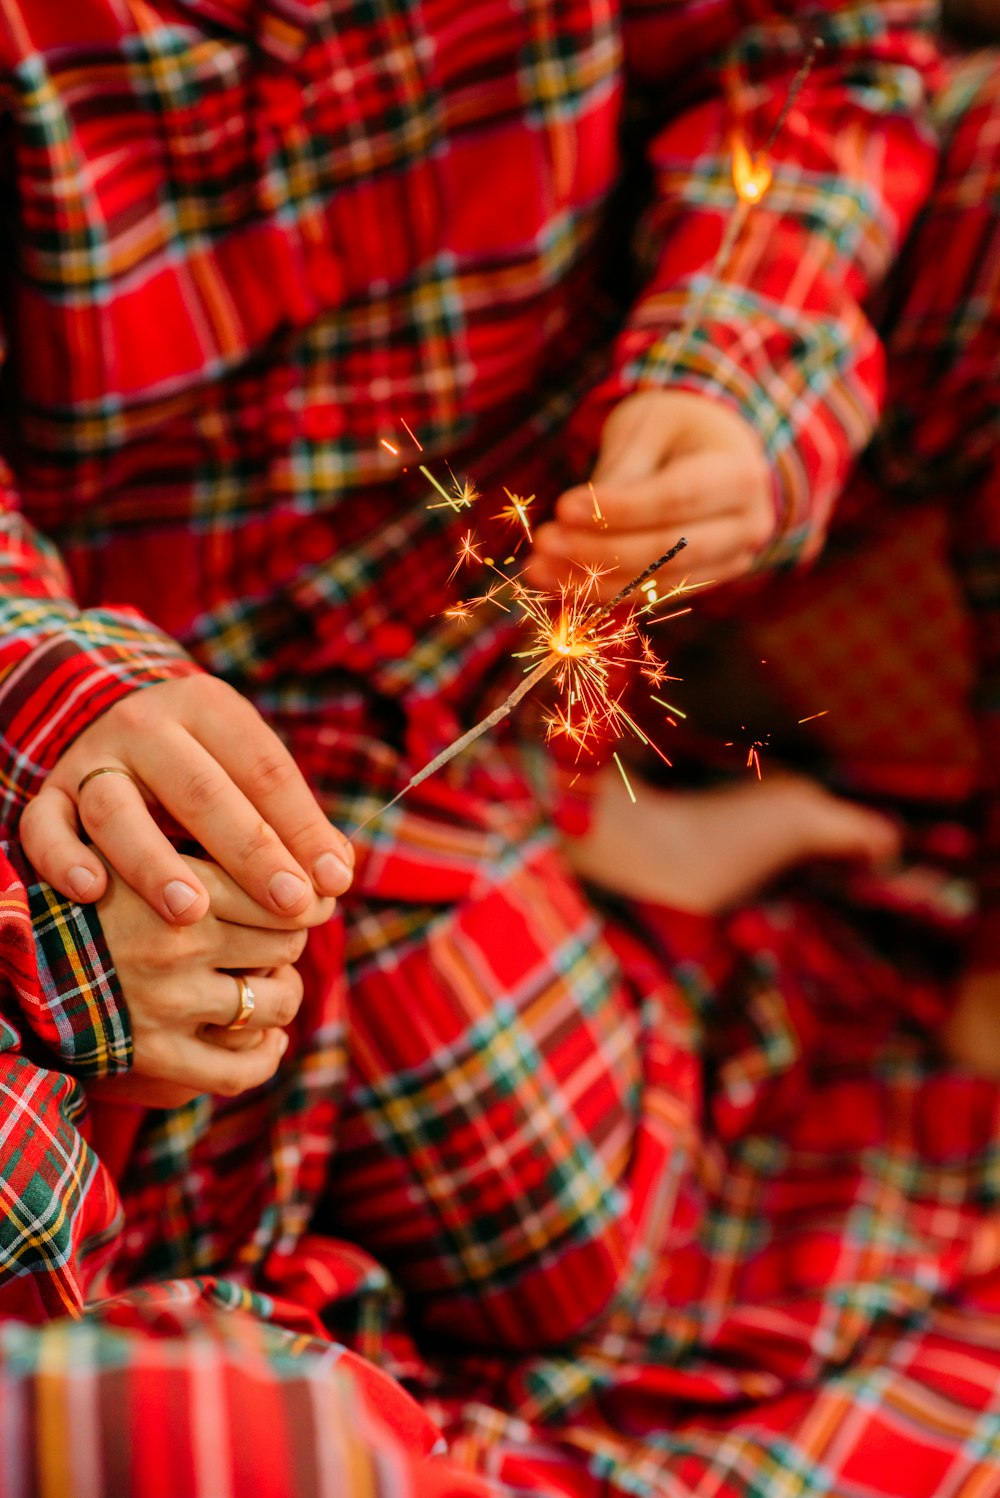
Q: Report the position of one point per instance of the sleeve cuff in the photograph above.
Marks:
(77, 1008)
(62, 682)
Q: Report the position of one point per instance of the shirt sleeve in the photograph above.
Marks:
(70, 999)
(61, 1211)
(61, 667)
(782, 331)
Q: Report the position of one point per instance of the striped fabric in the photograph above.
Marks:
(630, 1205)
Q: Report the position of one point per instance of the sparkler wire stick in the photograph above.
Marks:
(521, 690)
(749, 192)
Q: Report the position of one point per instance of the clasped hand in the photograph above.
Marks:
(178, 928)
(182, 994)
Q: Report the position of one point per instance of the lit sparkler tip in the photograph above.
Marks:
(751, 175)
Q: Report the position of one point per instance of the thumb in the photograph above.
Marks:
(634, 441)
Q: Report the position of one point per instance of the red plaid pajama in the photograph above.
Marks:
(629, 1203)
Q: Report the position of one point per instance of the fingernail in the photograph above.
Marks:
(81, 879)
(178, 896)
(286, 889)
(331, 874)
(282, 1043)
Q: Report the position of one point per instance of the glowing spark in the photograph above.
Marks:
(598, 513)
(579, 647)
(751, 177)
(669, 707)
(466, 553)
(449, 499)
(491, 596)
(621, 771)
(413, 439)
(389, 447)
(459, 611)
(517, 511)
(815, 715)
(462, 497)
(465, 493)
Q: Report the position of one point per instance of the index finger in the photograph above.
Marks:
(116, 816)
(261, 766)
(201, 794)
(229, 902)
(689, 488)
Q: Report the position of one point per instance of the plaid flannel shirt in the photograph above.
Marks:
(248, 241)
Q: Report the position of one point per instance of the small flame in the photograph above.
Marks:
(751, 177)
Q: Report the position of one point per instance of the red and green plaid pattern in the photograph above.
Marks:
(634, 1205)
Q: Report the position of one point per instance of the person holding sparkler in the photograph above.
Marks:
(654, 1192)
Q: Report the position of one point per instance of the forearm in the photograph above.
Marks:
(782, 334)
(60, 667)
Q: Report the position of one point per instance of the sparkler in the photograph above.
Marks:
(751, 179)
(579, 644)
(582, 642)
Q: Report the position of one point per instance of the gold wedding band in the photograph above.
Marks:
(247, 1004)
(105, 770)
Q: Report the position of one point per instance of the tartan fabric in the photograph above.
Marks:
(59, 1205)
(75, 1006)
(268, 1411)
(633, 1204)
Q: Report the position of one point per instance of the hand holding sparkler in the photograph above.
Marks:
(670, 461)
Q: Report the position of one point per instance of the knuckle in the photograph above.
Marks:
(132, 712)
(35, 828)
(271, 773)
(262, 841)
(201, 790)
(292, 945)
(761, 527)
(288, 999)
(208, 688)
(153, 1055)
(100, 808)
